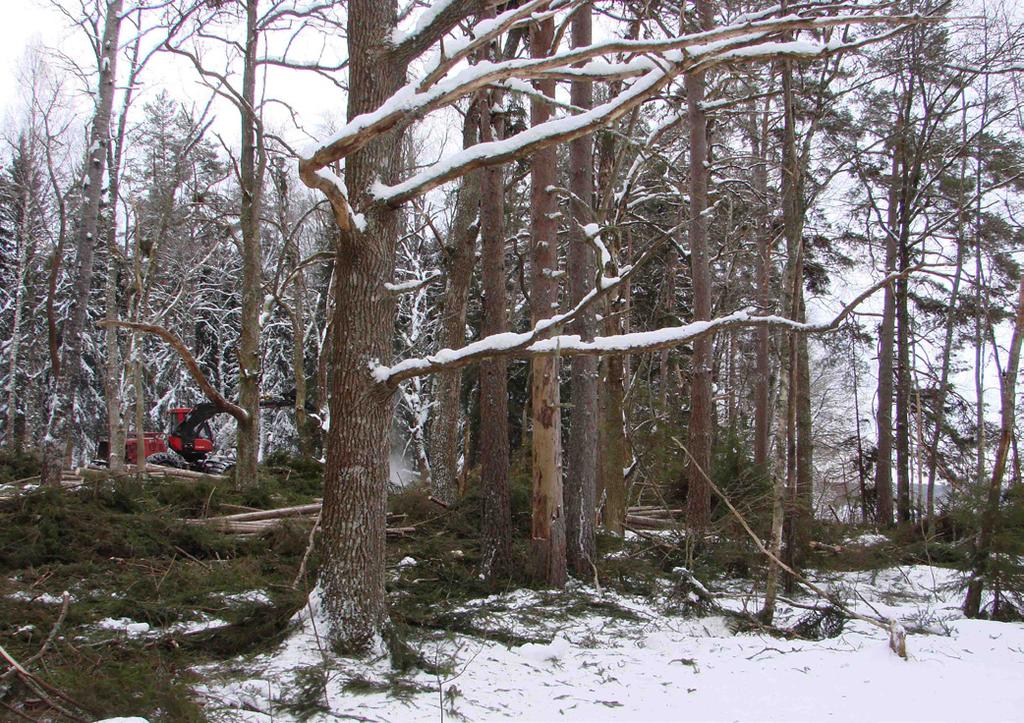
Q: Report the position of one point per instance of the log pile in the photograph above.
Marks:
(256, 522)
(154, 470)
(652, 517)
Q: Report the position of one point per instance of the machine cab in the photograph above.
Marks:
(196, 443)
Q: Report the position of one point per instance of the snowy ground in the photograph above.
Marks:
(620, 658)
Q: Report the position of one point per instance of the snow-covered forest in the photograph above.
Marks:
(544, 359)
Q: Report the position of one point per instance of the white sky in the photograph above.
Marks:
(24, 21)
(28, 22)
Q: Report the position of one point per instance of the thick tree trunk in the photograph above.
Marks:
(460, 258)
(59, 429)
(698, 498)
(982, 551)
(581, 482)
(251, 181)
(351, 584)
(496, 524)
(548, 528)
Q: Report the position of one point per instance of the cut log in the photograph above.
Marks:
(159, 469)
(650, 522)
(834, 549)
(277, 514)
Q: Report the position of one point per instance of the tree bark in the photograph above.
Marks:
(351, 584)
(762, 271)
(698, 498)
(251, 164)
(581, 482)
(548, 528)
(59, 428)
(496, 524)
(886, 344)
(116, 432)
(903, 372)
(460, 258)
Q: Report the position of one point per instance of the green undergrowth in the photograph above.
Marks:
(122, 550)
(17, 466)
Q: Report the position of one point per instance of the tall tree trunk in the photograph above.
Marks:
(798, 433)
(886, 343)
(494, 444)
(460, 258)
(548, 527)
(903, 376)
(581, 482)
(60, 426)
(613, 448)
(251, 181)
(762, 370)
(982, 550)
(947, 350)
(114, 366)
(351, 584)
(803, 513)
(698, 498)
(24, 239)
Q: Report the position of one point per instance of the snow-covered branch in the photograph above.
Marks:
(667, 58)
(532, 343)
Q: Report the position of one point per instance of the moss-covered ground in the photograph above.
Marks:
(120, 549)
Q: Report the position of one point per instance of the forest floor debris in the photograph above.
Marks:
(172, 621)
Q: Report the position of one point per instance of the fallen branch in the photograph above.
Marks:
(40, 687)
(897, 633)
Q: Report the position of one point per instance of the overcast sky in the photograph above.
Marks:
(24, 21)
(27, 22)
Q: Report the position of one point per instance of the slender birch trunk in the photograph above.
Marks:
(61, 423)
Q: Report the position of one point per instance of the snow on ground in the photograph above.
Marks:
(625, 658)
(132, 629)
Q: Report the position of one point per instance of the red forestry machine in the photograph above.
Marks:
(189, 444)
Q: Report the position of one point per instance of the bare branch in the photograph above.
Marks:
(190, 363)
